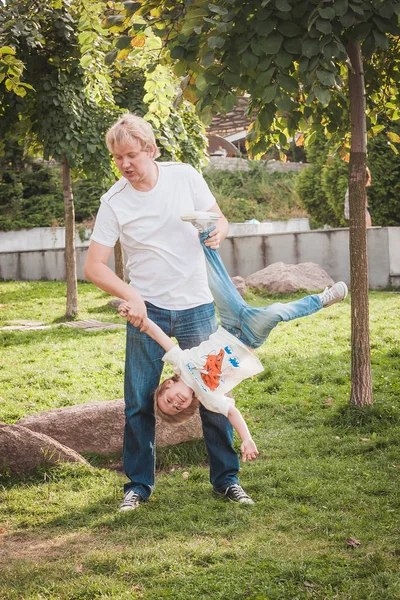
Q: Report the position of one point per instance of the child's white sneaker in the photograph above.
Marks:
(336, 293)
(201, 220)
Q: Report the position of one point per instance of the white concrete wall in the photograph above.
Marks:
(244, 255)
(49, 238)
(240, 229)
(328, 248)
(41, 265)
(394, 255)
(38, 238)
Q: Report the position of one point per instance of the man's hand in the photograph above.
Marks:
(217, 235)
(249, 450)
(135, 312)
(214, 239)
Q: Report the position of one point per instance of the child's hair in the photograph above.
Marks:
(182, 415)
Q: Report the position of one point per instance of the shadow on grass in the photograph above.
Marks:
(109, 310)
(187, 454)
(373, 417)
(26, 338)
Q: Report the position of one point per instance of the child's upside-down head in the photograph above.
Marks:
(175, 401)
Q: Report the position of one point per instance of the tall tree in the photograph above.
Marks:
(69, 94)
(59, 112)
(302, 63)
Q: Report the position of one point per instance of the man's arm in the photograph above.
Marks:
(248, 448)
(220, 232)
(153, 330)
(97, 271)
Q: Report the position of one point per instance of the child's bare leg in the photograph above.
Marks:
(253, 325)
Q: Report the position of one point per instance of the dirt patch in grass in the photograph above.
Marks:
(25, 547)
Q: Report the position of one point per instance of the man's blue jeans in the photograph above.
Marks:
(143, 369)
(250, 325)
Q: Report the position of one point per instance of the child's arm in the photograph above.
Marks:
(248, 448)
(153, 330)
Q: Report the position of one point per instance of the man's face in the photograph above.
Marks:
(176, 397)
(134, 163)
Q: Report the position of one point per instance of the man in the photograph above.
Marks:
(168, 284)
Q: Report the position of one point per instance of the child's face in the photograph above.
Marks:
(176, 397)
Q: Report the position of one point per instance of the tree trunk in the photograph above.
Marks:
(119, 261)
(361, 379)
(70, 258)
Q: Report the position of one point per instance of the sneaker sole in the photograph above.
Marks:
(126, 508)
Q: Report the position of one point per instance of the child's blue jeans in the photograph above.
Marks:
(250, 325)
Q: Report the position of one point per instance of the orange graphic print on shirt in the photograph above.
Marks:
(212, 370)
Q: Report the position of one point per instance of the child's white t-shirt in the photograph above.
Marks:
(165, 260)
(214, 367)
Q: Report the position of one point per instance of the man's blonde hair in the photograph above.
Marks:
(130, 127)
(182, 415)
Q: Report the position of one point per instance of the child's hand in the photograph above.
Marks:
(124, 309)
(249, 450)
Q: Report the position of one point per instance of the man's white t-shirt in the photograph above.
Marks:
(214, 367)
(165, 260)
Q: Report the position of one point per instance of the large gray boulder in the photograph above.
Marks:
(99, 427)
(280, 278)
(22, 450)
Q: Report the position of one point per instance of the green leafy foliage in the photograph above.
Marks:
(87, 194)
(30, 199)
(68, 113)
(34, 198)
(11, 69)
(58, 113)
(322, 186)
(289, 56)
(180, 136)
(255, 194)
(384, 193)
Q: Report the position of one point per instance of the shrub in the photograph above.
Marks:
(384, 193)
(318, 190)
(30, 198)
(255, 194)
(238, 210)
(41, 180)
(322, 186)
(87, 194)
(34, 198)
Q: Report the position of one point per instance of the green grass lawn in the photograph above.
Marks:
(326, 472)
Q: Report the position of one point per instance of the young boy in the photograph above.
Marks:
(209, 371)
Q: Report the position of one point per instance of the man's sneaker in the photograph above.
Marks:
(336, 293)
(201, 220)
(131, 501)
(236, 493)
